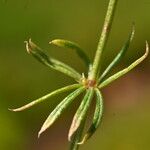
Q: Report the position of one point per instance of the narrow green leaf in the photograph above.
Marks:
(119, 56)
(71, 45)
(97, 117)
(81, 113)
(43, 98)
(126, 70)
(37, 52)
(59, 109)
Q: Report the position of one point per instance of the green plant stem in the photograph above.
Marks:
(103, 38)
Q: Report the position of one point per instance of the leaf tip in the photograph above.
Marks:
(147, 47)
(52, 42)
(28, 44)
(39, 134)
(82, 141)
(133, 31)
(58, 42)
(43, 128)
(27, 47)
(73, 128)
(71, 132)
(13, 110)
(20, 108)
(146, 51)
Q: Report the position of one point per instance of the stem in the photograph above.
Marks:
(103, 38)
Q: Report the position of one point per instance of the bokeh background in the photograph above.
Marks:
(22, 79)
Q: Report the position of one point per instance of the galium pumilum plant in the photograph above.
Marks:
(90, 84)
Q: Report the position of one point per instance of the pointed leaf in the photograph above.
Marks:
(119, 56)
(37, 52)
(97, 117)
(71, 45)
(43, 98)
(59, 109)
(126, 70)
(81, 113)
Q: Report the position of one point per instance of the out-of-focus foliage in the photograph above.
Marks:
(22, 79)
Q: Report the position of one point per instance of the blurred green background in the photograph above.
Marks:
(22, 79)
